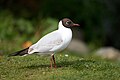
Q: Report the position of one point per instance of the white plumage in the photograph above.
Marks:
(53, 42)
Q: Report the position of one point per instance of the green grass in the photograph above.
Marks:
(34, 67)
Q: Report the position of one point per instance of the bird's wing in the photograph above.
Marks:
(48, 42)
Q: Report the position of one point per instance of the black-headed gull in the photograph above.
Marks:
(52, 42)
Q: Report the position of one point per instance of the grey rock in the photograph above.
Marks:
(108, 53)
(78, 46)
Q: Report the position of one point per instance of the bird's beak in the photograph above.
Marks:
(76, 24)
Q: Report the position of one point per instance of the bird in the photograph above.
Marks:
(52, 42)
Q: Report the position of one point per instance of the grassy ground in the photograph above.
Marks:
(34, 67)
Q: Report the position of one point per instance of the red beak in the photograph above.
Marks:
(76, 25)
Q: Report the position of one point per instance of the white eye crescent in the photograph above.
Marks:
(68, 22)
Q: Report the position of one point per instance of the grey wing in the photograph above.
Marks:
(48, 42)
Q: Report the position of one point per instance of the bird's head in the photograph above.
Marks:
(68, 23)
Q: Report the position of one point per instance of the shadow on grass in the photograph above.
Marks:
(74, 64)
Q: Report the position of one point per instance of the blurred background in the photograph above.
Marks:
(24, 22)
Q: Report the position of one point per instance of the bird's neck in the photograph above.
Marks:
(64, 30)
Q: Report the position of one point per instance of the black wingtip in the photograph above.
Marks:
(20, 53)
(14, 54)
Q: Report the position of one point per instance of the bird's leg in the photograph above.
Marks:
(55, 66)
(51, 62)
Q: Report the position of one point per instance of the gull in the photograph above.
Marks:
(52, 42)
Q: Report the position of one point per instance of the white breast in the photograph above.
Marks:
(67, 36)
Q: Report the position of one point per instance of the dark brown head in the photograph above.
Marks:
(68, 23)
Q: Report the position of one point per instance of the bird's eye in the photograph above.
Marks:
(68, 22)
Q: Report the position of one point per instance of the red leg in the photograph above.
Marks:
(55, 66)
(51, 62)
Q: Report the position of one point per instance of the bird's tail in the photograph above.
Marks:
(20, 53)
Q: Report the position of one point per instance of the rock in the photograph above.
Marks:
(78, 46)
(108, 53)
